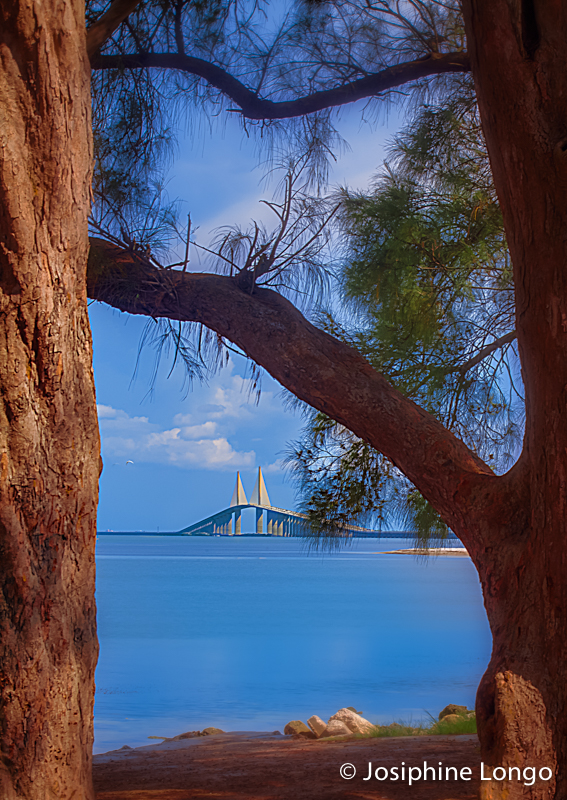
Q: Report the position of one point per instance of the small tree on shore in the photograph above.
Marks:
(513, 524)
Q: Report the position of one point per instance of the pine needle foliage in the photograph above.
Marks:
(278, 51)
(428, 286)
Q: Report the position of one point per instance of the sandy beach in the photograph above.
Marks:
(264, 766)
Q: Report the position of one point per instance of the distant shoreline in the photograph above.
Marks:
(461, 552)
(382, 535)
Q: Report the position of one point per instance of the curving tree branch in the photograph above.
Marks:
(103, 28)
(254, 107)
(319, 369)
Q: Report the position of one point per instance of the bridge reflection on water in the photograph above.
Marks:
(270, 520)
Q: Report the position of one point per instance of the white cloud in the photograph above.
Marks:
(107, 412)
(276, 466)
(207, 429)
(137, 439)
(229, 400)
(203, 438)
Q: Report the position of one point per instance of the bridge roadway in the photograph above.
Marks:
(270, 519)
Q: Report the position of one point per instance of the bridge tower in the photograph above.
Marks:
(260, 498)
(238, 499)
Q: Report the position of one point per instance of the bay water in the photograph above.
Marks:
(248, 633)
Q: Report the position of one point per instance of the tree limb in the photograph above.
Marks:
(319, 369)
(103, 28)
(486, 351)
(254, 107)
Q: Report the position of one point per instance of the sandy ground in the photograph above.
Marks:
(260, 766)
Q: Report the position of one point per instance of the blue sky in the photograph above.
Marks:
(186, 446)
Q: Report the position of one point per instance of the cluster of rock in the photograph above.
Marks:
(455, 711)
(345, 721)
(350, 721)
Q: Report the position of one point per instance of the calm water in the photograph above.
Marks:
(246, 634)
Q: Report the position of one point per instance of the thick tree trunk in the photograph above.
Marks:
(49, 447)
(518, 51)
(521, 701)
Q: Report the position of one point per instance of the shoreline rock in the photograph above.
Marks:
(452, 709)
(317, 725)
(298, 728)
(335, 727)
(353, 721)
(189, 735)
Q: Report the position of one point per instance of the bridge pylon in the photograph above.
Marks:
(259, 492)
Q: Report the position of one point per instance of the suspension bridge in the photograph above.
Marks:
(261, 517)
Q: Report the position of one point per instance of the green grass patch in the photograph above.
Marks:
(463, 724)
(399, 729)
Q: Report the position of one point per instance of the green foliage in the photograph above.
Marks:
(419, 516)
(428, 285)
(342, 478)
(462, 725)
(428, 269)
(278, 51)
(398, 729)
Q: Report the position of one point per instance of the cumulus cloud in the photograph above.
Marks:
(229, 401)
(202, 438)
(138, 439)
(275, 466)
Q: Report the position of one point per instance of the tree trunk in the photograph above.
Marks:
(49, 446)
(518, 50)
(522, 699)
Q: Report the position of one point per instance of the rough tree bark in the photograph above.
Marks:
(49, 445)
(518, 52)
